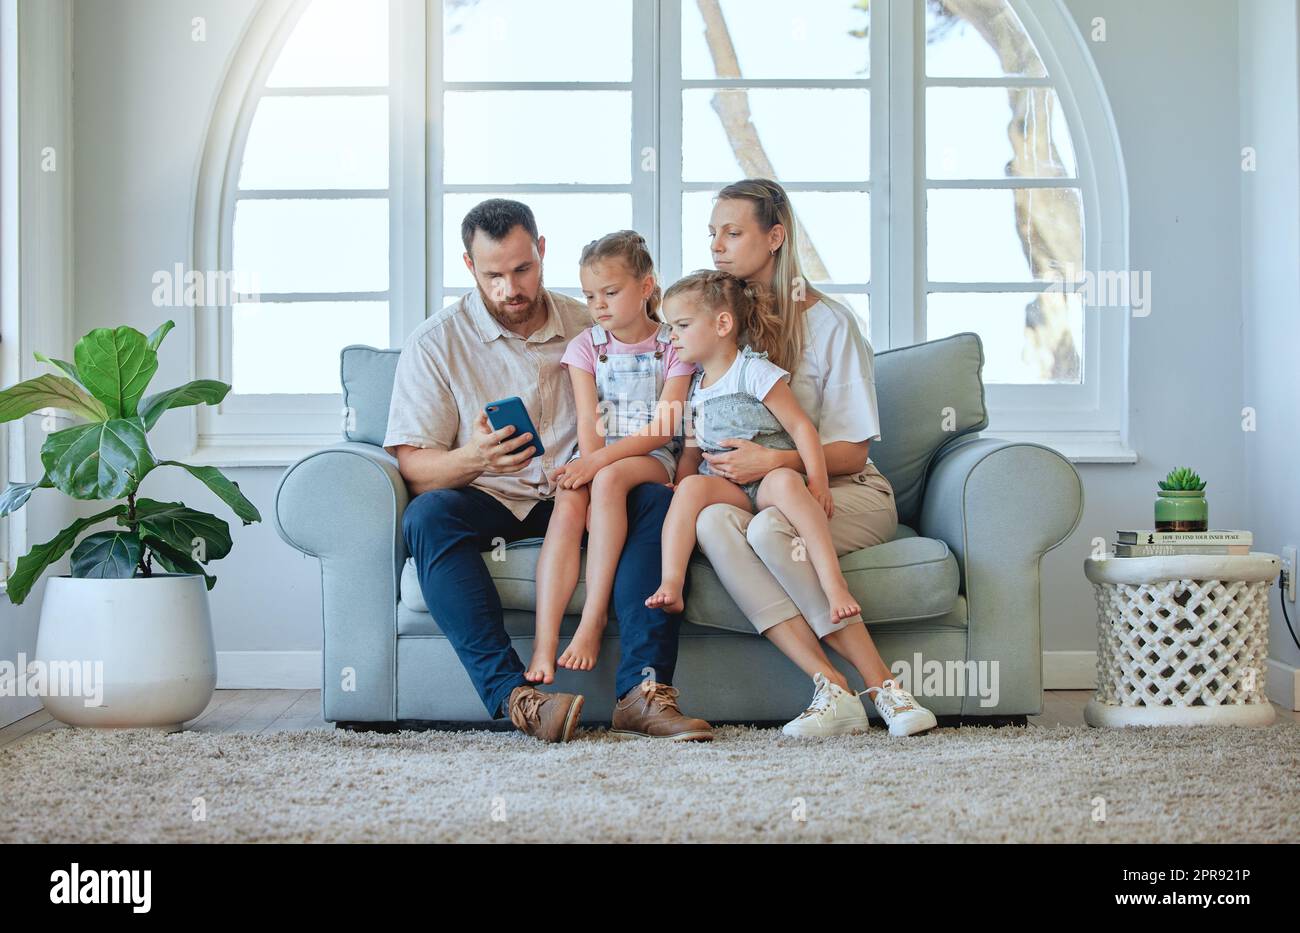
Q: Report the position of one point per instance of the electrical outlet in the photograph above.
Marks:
(1288, 564)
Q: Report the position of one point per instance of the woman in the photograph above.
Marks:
(756, 556)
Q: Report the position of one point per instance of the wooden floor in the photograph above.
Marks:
(281, 710)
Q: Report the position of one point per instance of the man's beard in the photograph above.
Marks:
(513, 317)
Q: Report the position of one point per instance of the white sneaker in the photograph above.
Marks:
(899, 709)
(834, 711)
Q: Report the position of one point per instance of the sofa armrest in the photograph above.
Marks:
(343, 504)
(1000, 506)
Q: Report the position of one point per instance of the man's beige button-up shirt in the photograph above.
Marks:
(461, 359)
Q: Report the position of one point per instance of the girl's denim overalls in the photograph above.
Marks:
(628, 386)
(737, 414)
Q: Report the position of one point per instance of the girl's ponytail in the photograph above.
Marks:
(763, 325)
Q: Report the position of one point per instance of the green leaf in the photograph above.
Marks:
(175, 561)
(49, 391)
(201, 391)
(181, 528)
(98, 461)
(227, 490)
(159, 333)
(116, 366)
(62, 364)
(107, 554)
(31, 565)
(1182, 478)
(16, 495)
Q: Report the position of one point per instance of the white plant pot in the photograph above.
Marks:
(151, 637)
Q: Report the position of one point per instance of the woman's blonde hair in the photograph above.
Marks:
(757, 321)
(772, 207)
(630, 248)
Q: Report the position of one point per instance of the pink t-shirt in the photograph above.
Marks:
(581, 352)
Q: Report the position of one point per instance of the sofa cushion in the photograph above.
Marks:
(513, 577)
(367, 374)
(908, 578)
(915, 387)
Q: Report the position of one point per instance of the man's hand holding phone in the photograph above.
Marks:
(497, 451)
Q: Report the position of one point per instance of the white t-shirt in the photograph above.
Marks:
(760, 376)
(835, 382)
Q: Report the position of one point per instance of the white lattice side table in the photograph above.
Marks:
(1181, 640)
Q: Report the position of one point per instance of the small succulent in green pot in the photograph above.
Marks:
(1180, 502)
(108, 457)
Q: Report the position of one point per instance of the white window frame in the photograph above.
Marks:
(275, 430)
(672, 84)
(1087, 422)
(644, 186)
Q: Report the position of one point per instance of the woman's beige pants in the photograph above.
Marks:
(766, 569)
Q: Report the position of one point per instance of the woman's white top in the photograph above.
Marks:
(835, 382)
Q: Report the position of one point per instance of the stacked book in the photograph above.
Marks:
(1152, 543)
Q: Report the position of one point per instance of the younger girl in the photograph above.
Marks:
(740, 394)
(627, 383)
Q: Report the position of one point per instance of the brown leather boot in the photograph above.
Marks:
(650, 711)
(551, 717)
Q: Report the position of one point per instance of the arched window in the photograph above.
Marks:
(309, 225)
(1021, 211)
(950, 161)
(303, 204)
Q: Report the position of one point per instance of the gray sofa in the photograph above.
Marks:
(960, 582)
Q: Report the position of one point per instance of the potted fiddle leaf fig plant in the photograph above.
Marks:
(1180, 502)
(143, 632)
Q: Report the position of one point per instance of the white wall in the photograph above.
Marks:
(1170, 72)
(39, 311)
(1270, 261)
(144, 91)
(144, 96)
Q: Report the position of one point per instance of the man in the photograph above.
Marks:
(471, 485)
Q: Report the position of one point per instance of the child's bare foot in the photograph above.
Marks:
(583, 650)
(668, 598)
(541, 666)
(843, 605)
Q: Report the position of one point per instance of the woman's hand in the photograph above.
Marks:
(747, 463)
(822, 493)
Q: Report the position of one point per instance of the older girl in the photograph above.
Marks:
(625, 374)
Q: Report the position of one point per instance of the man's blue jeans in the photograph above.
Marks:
(446, 531)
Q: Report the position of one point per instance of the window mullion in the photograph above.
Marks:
(433, 156)
(906, 197)
(645, 190)
(668, 154)
(881, 174)
(407, 233)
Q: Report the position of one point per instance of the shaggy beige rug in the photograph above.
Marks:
(1208, 784)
